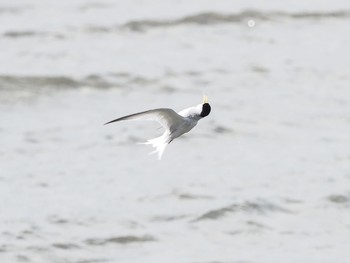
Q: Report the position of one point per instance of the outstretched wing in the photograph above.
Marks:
(168, 118)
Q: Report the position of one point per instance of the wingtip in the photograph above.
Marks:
(110, 122)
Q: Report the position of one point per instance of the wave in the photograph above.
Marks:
(259, 207)
(18, 88)
(12, 82)
(201, 19)
(29, 33)
(13, 87)
(119, 240)
(211, 18)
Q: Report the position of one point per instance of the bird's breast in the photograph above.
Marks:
(185, 127)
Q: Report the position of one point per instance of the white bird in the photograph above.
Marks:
(175, 124)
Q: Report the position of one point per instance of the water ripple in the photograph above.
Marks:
(259, 207)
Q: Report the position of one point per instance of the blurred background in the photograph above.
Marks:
(264, 178)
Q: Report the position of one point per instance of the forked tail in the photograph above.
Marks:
(159, 144)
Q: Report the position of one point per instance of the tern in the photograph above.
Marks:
(174, 124)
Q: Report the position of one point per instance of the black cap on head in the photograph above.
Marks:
(205, 110)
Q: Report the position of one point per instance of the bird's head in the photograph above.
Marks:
(205, 107)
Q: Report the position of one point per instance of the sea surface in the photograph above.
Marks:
(264, 178)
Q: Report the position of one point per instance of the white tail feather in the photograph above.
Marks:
(159, 144)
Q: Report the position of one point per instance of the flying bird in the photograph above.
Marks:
(174, 124)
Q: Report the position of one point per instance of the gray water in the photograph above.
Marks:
(264, 178)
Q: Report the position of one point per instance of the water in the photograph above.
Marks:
(264, 178)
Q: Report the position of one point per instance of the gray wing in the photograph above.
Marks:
(168, 118)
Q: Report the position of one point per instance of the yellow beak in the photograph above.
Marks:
(205, 99)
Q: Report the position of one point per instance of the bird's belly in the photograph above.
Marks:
(184, 128)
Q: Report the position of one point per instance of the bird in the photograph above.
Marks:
(174, 124)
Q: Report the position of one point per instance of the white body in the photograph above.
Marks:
(175, 124)
(182, 122)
